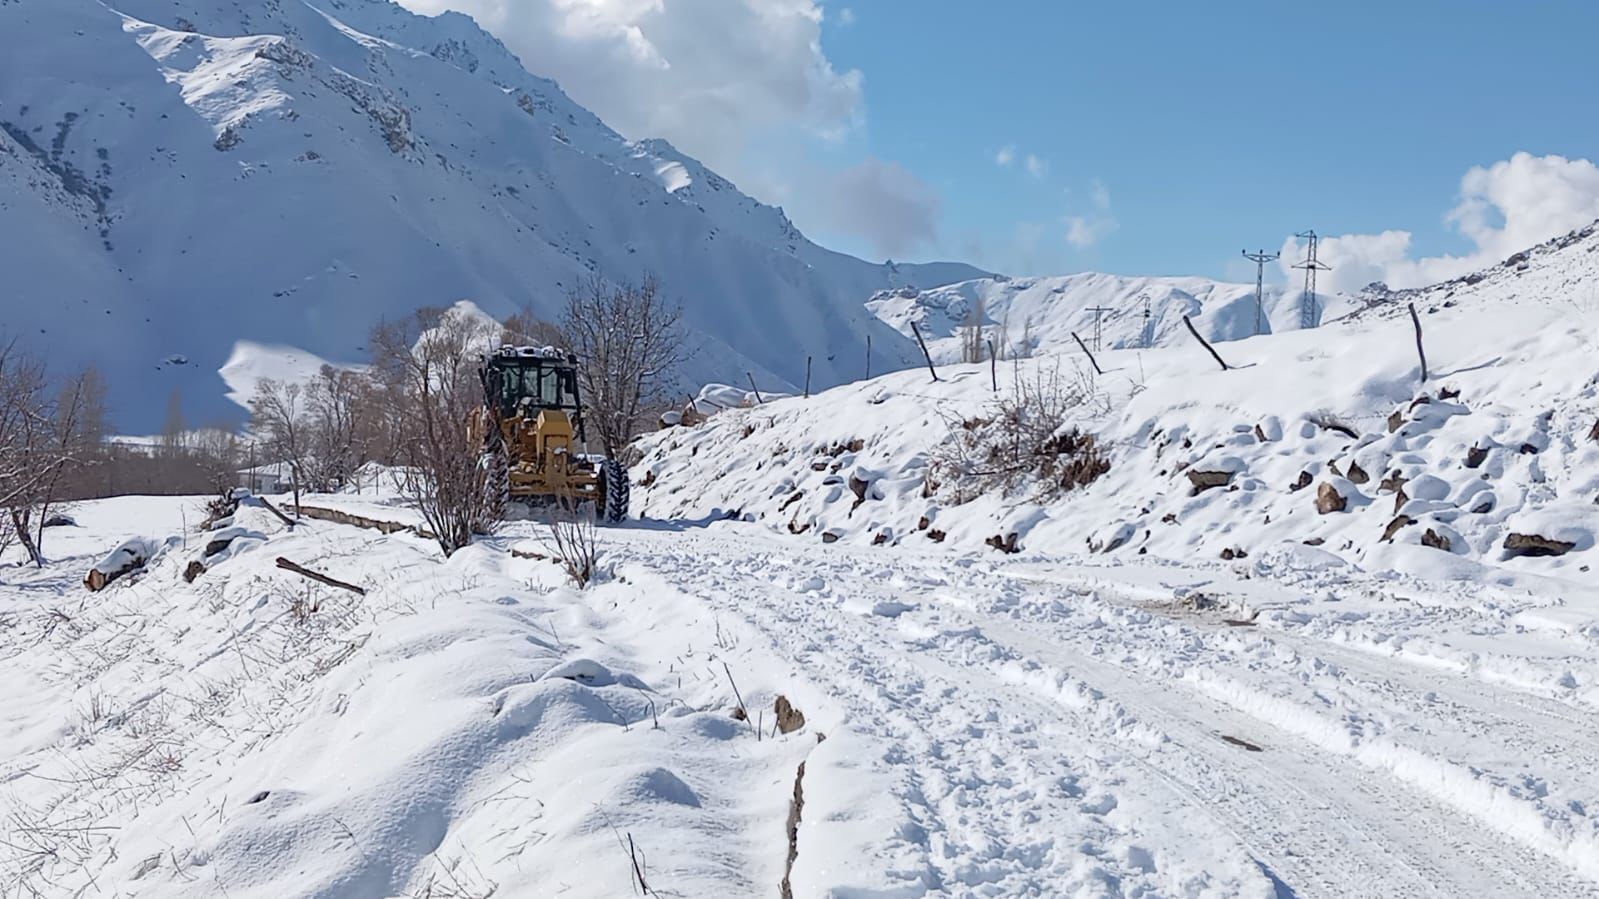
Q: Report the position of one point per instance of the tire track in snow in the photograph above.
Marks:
(1002, 801)
(1318, 822)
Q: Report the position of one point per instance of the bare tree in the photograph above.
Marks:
(338, 404)
(278, 415)
(431, 361)
(971, 333)
(628, 341)
(174, 430)
(40, 441)
(526, 328)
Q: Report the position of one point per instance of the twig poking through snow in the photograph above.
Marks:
(736, 695)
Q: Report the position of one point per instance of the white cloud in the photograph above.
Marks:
(1088, 229)
(1502, 209)
(883, 202)
(846, 16)
(1037, 167)
(1005, 156)
(707, 75)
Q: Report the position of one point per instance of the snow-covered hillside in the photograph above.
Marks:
(1031, 315)
(1435, 478)
(176, 175)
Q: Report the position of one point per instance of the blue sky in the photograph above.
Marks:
(1048, 136)
(1210, 126)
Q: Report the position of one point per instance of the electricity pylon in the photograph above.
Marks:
(1260, 259)
(1308, 313)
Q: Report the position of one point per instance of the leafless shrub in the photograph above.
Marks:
(1026, 439)
(430, 361)
(574, 542)
(628, 341)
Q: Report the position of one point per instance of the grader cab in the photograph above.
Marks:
(534, 446)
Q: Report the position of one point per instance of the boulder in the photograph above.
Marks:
(1536, 545)
(1205, 480)
(1400, 521)
(1005, 544)
(1435, 540)
(1357, 475)
(789, 719)
(1329, 500)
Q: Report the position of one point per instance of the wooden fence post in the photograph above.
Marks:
(1205, 343)
(925, 354)
(1090, 356)
(1416, 320)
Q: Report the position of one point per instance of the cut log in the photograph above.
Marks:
(128, 557)
(303, 571)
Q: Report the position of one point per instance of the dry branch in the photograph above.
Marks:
(274, 510)
(303, 571)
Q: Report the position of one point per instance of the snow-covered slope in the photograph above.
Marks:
(1030, 315)
(176, 175)
(1501, 440)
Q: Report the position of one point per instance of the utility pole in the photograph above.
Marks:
(1308, 317)
(1149, 334)
(1098, 311)
(1260, 258)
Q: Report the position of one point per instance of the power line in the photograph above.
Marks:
(1308, 314)
(1260, 258)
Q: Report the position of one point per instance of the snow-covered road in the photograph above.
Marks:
(976, 724)
(1035, 728)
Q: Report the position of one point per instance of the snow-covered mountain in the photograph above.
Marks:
(1033, 315)
(176, 175)
(1030, 315)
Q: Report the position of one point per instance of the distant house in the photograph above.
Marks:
(274, 477)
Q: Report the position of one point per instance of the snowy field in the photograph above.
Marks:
(995, 725)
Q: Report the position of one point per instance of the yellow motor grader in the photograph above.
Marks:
(531, 428)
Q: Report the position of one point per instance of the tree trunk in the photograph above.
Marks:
(19, 522)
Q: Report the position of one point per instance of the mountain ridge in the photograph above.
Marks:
(181, 175)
